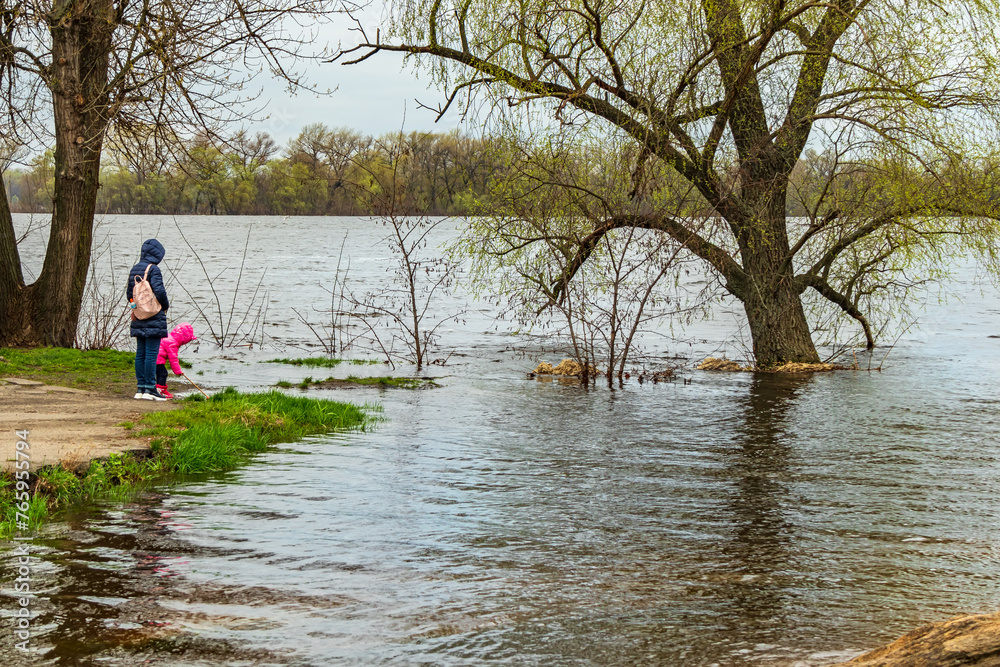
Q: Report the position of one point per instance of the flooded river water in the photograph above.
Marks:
(738, 519)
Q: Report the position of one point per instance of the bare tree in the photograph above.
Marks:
(232, 322)
(104, 318)
(421, 273)
(88, 71)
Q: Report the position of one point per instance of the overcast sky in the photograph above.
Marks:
(373, 97)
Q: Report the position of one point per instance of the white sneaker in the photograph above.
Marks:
(142, 396)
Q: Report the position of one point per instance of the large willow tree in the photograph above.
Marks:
(895, 101)
(142, 72)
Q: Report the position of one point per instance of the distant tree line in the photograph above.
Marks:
(322, 171)
(339, 171)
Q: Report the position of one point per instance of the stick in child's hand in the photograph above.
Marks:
(194, 385)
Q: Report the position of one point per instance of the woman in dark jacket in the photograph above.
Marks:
(148, 332)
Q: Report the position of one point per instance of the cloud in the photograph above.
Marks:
(374, 96)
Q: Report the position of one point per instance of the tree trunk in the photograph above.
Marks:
(778, 327)
(15, 321)
(46, 312)
(771, 299)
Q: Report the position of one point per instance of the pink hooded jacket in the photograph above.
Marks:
(182, 333)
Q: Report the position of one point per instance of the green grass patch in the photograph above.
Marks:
(34, 507)
(355, 381)
(398, 383)
(222, 432)
(117, 477)
(323, 362)
(320, 362)
(94, 370)
(211, 435)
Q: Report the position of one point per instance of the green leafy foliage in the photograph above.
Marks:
(324, 171)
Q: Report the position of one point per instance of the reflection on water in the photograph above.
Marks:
(740, 519)
(762, 545)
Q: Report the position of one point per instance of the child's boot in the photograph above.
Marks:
(162, 388)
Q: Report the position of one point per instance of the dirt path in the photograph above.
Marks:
(66, 425)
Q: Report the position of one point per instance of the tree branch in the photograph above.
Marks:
(791, 138)
(579, 98)
(824, 288)
(718, 258)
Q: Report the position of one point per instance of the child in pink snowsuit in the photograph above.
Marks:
(182, 333)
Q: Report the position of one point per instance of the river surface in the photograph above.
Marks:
(733, 520)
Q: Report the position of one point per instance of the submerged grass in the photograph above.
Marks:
(400, 383)
(34, 506)
(323, 362)
(354, 380)
(117, 477)
(211, 435)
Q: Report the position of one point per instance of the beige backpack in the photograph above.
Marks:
(145, 303)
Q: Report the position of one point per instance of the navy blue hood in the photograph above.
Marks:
(152, 251)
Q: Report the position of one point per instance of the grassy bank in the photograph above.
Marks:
(220, 433)
(94, 370)
(201, 436)
(109, 371)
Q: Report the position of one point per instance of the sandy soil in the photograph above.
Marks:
(66, 425)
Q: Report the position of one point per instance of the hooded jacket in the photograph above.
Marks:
(183, 333)
(155, 326)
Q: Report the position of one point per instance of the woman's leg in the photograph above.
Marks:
(140, 363)
(152, 351)
(145, 362)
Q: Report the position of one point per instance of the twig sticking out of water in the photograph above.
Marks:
(221, 324)
(334, 336)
